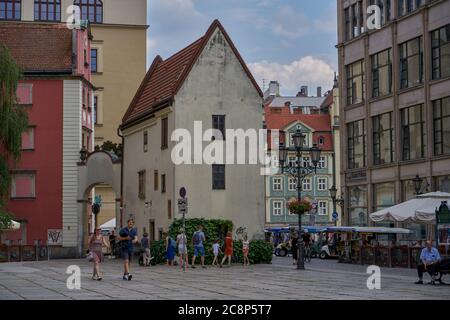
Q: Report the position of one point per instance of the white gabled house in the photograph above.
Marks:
(209, 82)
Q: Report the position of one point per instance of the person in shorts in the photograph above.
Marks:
(199, 249)
(182, 248)
(128, 237)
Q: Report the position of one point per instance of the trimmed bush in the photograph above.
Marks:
(260, 251)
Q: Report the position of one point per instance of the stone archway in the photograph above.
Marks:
(100, 168)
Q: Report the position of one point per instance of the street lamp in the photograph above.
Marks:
(417, 184)
(340, 201)
(299, 170)
(83, 154)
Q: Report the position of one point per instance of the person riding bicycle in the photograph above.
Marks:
(306, 239)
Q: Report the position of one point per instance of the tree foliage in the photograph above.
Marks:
(13, 122)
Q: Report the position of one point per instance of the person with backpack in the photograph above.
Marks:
(199, 249)
(170, 249)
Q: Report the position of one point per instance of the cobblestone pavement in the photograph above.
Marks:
(280, 280)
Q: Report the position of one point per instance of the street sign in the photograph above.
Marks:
(183, 192)
(335, 216)
(182, 205)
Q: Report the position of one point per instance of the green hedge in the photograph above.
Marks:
(260, 251)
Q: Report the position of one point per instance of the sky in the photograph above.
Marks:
(292, 41)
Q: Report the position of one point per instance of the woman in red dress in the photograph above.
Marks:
(228, 249)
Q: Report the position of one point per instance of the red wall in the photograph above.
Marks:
(44, 212)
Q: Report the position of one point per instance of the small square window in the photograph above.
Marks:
(23, 185)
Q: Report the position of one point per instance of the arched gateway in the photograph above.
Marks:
(100, 168)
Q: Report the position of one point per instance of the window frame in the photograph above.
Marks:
(218, 184)
(16, 12)
(33, 148)
(164, 133)
(280, 183)
(351, 84)
(436, 59)
(351, 163)
(94, 65)
(376, 72)
(13, 191)
(56, 4)
(292, 182)
(440, 119)
(404, 64)
(377, 133)
(325, 183)
(141, 184)
(319, 207)
(275, 209)
(88, 7)
(218, 123)
(145, 141)
(406, 136)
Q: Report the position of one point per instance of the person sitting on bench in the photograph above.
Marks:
(429, 259)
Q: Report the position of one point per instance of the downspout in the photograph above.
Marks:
(121, 177)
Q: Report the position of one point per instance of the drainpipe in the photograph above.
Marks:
(121, 179)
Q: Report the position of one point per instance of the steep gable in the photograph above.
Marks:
(165, 78)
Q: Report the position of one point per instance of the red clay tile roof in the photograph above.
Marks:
(165, 77)
(38, 47)
(319, 123)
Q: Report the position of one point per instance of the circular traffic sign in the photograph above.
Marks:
(183, 192)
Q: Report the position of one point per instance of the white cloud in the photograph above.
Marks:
(309, 70)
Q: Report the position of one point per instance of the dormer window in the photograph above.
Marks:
(321, 141)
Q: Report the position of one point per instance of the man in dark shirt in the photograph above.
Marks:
(128, 237)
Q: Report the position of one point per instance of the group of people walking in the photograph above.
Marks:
(198, 241)
(128, 237)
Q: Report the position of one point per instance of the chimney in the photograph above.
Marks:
(319, 92)
(287, 104)
(303, 91)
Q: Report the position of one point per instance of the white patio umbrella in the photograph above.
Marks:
(421, 209)
(111, 224)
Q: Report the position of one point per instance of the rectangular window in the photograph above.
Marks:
(355, 82)
(356, 151)
(277, 208)
(163, 183)
(292, 161)
(411, 63)
(322, 184)
(292, 184)
(94, 60)
(218, 123)
(401, 7)
(47, 10)
(169, 209)
(277, 184)
(23, 185)
(322, 163)
(155, 180)
(10, 9)
(388, 10)
(323, 208)
(355, 27)
(382, 73)
(347, 35)
(164, 133)
(383, 139)
(95, 111)
(384, 195)
(441, 128)
(306, 184)
(306, 162)
(357, 202)
(28, 139)
(440, 52)
(141, 185)
(413, 132)
(218, 172)
(145, 141)
(24, 94)
(361, 17)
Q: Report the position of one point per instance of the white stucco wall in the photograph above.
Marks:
(218, 85)
(135, 160)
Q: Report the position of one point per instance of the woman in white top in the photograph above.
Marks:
(182, 248)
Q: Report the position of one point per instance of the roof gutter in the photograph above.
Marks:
(148, 114)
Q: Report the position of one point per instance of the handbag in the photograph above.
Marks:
(90, 256)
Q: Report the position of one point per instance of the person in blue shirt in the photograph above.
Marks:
(128, 237)
(429, 259)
